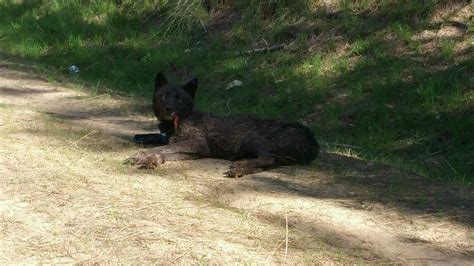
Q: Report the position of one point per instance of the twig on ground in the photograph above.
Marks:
(267, 49)
(345, 145)
(179, 257)
(434, 153)
(286, 237)
(450, 166)
(227, 104)
(83, 137)
(274, 250)
(95, 97)
(189, 207)
(284, 241)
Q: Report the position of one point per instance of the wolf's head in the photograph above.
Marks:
(171, 102)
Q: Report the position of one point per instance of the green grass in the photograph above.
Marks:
(365, 81)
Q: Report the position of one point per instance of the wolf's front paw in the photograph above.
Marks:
(233, 172)
(239, 169)
(145, 160)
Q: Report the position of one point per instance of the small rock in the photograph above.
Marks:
(232, 84)
(73, 69)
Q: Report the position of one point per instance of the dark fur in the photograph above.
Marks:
(254, 144)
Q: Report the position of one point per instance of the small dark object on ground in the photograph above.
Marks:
(253, 144)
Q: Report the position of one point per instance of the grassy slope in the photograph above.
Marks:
(357, 76)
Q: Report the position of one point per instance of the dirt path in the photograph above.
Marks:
(65, 197)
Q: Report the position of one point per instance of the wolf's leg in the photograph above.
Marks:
(185, 150)
(250, 166)
(253, 147)
(193, 146)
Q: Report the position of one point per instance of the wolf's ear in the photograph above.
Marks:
(160, 81)
(191, 86)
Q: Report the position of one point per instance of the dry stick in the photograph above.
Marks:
(95, 97)
(83, 137)
(286, 238)
(344, 145)
(452, 168)
(267, 49)
(179, 257)
(274, 250)
(227, 104)
(188, 207)
(434, 153)
(281, 243)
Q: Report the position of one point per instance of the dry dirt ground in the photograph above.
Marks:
(66, 197)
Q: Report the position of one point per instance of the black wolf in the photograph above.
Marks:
(253, 144)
